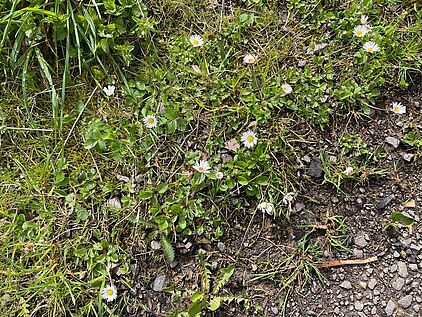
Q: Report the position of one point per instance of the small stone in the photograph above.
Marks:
(405, 301)
(174, 264)
(374, 310)
(346, 285)
(298, 207)
(221, 246)
(402, 269)
(155, 245)
(391, 307)
(416, 308)
(114, 203)
(358, 306)
(408, 156)
(360, 241)
(358, 253)
(306, 159)
(398, 284)
(372, 282)
(274, 309)
(385, 202)
(363, 284)
(159, 283)
(394, 142)
(315, 168)
(413, 267)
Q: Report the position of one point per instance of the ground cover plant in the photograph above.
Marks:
(140, 139)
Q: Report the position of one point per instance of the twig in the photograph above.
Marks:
(346, 262)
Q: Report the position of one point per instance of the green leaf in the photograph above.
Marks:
(145, 194)
(242, 181)
(167, 248)
(162, 188)
(397, 216)
(225, 275)
(215, 303)
(196, 308)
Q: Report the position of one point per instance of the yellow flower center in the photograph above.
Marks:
(195, 41)
(251, 59)
(265, 205)
(109, 292)
(250, 138)
(359, 32)
(396, 109)
(370, 49)
(150, 120)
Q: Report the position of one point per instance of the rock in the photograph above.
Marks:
(159, 283)
(274, 309)
(306, 159)
(372, 282)
(413, 267)
(398, 284)
(315, 169)
(358, 253)
(402, 269)
(360, 241)
(385, 202)
(391, 307)
(155, 245)
(346, 285)
(408, 156)
(114, 203)
(298, 207)
(416, 308)
(405, 301)
(358, 306)
(394, 142)
(221, 246)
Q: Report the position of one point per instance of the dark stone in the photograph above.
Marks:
(315, 168)
(385, 202)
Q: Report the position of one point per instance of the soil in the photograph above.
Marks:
(389, 286)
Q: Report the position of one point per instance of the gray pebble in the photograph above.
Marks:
(372, 282)
(221, 246)
(394, 142)
(346, 285)
(159, 283)
(402, 269)
(405, 301)
(358, 306)
(390, 308)
(360, 241)
(398, 284)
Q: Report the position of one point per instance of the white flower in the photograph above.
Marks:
(371, 47)
(249, 139)
(202, 167)
(150, 121)
(363, 19)
(287, 89)
(398, 108)
(109, 293)
(319, 46)
(265, 207)
(196, 40)
(219, 175)
(249, 59)
(361, 30)
(109, 90)
(348, 170)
